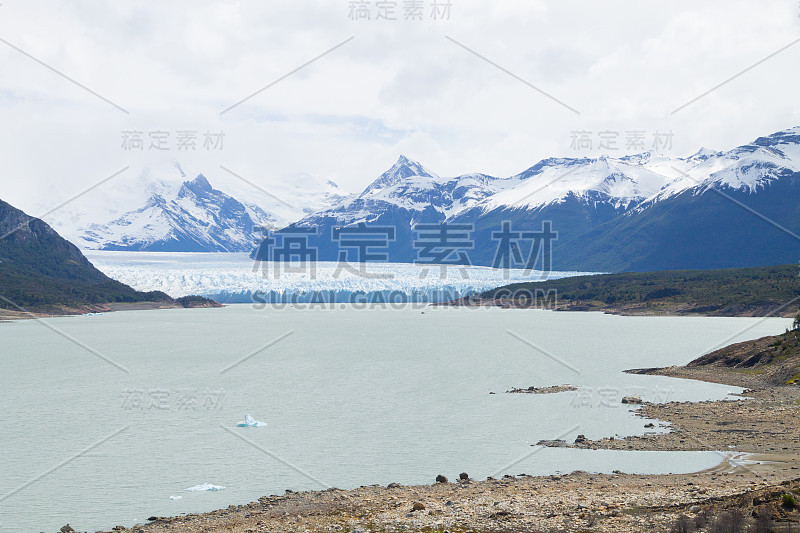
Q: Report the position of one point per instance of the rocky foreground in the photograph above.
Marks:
(575, 502)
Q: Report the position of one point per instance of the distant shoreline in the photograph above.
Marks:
(628, 310)
(743, 292)
(675, 310)
(10, 315)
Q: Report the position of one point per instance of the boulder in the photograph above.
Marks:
(463, 476)
(558, 443)
(441, 479)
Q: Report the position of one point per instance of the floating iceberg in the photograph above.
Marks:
(173, 498)
(204, 487)
(250, 422)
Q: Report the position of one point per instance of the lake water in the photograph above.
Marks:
(103, 418)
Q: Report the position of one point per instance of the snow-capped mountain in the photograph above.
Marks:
(198, 218)
(175, 209)
(749, 167)
(638, 212)
(552, 181)
(573, 195)
(644, 211)
(723, 209)
(411, 187)
(405, 195)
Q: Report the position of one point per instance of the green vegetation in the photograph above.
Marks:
(195, 301)
(39, 270)
(36, 291)
(42, 272)
(789, 501)
(727, 292)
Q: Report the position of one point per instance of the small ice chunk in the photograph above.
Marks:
(204, 487)
(173, 498)
(250, 422)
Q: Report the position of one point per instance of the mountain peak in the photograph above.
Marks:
(198, 187)
(403, 169)
(200, 182)
(409, 167)
(703, 154)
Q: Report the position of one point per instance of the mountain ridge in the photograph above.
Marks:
(184, 210)
(644, 211)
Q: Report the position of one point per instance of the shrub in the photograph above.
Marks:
(702, 519)
(729, 522)
(763, 523)
(789, 501)
(683, 525)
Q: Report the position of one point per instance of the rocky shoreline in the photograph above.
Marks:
(758, 439)
(761, 422)
(553, 389)
(756, 484)
(576, 502)
(8, 315)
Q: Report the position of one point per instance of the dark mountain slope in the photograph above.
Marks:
(42, 272)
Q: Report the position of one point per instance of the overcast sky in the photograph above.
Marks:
(488, 87)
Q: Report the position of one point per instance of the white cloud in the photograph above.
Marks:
(397, 87)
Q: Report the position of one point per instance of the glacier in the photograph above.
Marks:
(235, 278)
